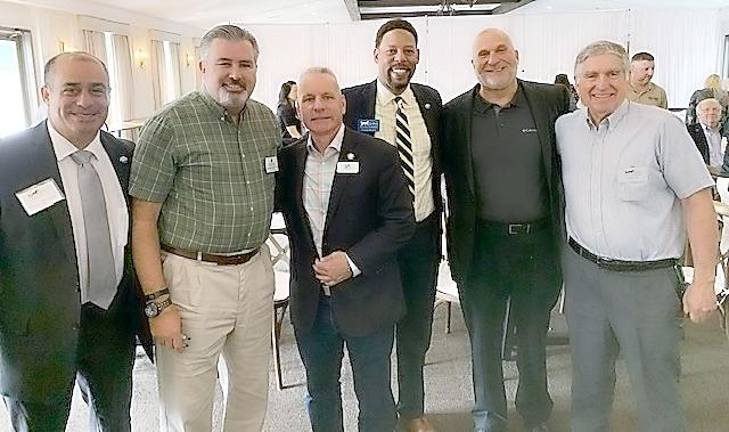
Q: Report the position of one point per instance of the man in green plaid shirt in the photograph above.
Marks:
(202, 181)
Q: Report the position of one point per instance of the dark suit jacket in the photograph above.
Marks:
(697, 133)
(39, 281)
(361, 101)
(370, 217)
(546, 102)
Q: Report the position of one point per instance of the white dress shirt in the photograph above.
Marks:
(319, 172)
(116, 208)
(385, 108)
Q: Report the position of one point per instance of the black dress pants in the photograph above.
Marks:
(104, 362)
(523, 267)
(418, 261)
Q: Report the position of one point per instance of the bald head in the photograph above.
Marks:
(495, 62)
(709, 112)
(50, 67)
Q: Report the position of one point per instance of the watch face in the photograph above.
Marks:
(151, 309)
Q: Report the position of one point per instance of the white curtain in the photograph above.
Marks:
(123, 89)
(95, 44)
(686, 44)
(157, 62)
(172, 72)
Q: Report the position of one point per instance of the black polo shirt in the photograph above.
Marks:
(507, 162)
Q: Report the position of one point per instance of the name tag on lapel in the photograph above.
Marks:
(347, 167)
(368, 125)
(271, 164)
(40, 196)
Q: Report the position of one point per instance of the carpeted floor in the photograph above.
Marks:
(705, 385)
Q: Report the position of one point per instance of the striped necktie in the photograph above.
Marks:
(404, 144)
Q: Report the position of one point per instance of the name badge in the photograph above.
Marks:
(40, 196)
(271, 164)
(347, 167)
(368, 125)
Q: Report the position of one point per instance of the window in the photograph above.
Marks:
(17, 81)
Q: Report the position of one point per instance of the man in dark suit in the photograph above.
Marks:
(707, 133)
(347, 211)
(503, 224)
(70, 309)
(406, 115)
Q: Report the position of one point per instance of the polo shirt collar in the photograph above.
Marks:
(482, 105)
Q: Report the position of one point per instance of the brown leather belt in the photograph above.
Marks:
(241, 258)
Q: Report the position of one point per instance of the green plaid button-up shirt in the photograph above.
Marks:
(209, 174)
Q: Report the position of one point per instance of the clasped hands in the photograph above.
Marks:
(332, 269)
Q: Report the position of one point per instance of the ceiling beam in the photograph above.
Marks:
(505, 8)
(384, 15)
(406, 3)
(353, 10)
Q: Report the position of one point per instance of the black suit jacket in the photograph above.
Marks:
(39, 281)
(546, 102)
(361, 102)
(697, 133)
(370, 217)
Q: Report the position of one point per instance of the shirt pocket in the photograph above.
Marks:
(633, 183)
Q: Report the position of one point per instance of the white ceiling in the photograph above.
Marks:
(206, 13)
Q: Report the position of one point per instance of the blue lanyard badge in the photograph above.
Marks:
(368, 125)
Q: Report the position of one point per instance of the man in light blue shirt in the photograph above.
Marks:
(634, 187)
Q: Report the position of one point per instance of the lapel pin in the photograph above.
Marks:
(350, 156)
(427, 106)
(123, 159)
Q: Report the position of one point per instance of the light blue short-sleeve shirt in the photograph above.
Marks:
(624, 180)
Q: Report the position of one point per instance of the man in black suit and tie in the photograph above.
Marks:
(347, 210)
(406, 115)
(708, 132)
(502, 178)
(70, 309)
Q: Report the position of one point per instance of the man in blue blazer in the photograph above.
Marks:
(406, 115)
(347, 210)
(70, 307)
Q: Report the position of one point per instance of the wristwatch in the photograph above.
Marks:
(153, 308)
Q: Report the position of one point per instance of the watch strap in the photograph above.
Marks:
(157, 294)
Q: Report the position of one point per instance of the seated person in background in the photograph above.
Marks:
(286, 113)
(562, 79)
(712, 89)
(708, 132)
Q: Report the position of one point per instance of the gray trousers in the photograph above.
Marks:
(633, 313)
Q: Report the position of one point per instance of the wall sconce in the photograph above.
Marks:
(189, 60)
(141, 58)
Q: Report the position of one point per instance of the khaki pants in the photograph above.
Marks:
(224, 309)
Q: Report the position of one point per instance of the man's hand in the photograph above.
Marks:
(166, 329)
(699, 301)
(332, 269)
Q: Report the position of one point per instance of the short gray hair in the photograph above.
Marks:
(228, 32)
(319, 70)
(603, 47)
(708, 101)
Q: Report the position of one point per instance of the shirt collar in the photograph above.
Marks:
(611, 120)
(63, 148)
(336, 143)
(385, 96)
(482, 105)
(708, 129)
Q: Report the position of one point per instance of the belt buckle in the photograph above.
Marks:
(199, 256)
(515, 229)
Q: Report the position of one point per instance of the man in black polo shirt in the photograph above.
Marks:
(504, 224)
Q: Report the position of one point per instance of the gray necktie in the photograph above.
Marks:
(100, 260)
